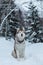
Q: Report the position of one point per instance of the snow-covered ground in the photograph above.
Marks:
(33, 53)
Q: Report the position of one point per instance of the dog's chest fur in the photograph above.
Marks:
(20, 46)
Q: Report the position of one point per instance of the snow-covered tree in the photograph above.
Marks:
(16, 20)
(33, 24)
(5, 8)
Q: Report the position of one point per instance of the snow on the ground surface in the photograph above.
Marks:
(33, 53)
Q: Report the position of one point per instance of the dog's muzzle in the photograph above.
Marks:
(21, 34)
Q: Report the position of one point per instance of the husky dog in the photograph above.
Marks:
(19, 45)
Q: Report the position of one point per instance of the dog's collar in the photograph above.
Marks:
(21, 41)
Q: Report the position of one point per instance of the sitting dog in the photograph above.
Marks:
(19, 45)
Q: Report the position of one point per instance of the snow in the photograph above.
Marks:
(33, 53)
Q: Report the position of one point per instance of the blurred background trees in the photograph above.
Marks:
(30, 20)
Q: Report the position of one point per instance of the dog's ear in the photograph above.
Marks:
(23, 29)
(17, 30)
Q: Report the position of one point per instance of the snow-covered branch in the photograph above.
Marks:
(6, 18)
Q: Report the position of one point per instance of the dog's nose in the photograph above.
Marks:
(21, 34)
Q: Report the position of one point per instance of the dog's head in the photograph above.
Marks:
(20, 34)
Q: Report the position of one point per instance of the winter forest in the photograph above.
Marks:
(17, 13)
(13, 16)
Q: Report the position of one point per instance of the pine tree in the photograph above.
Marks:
(12, 21)
(5, 8)
(16, 20)
(33, 19)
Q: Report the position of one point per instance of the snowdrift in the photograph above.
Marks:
(33, 53)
